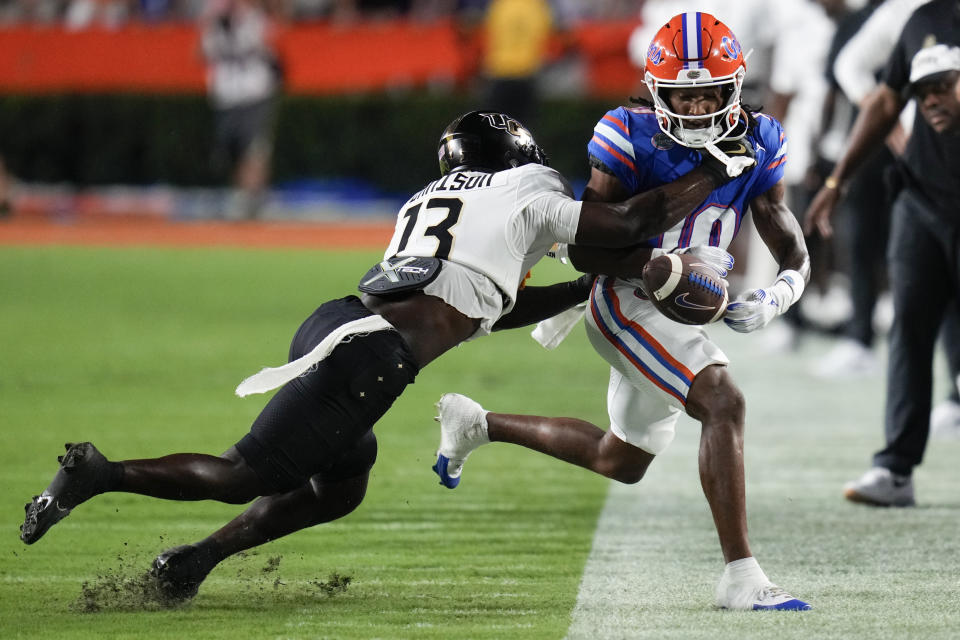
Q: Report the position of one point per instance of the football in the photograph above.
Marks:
(685, 289)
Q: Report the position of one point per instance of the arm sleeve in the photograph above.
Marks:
(611, 145)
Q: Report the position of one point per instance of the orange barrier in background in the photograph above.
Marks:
(137, 232)
(38, 59)
(319, 58)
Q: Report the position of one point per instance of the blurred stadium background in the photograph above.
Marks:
(105, 122)
(104, 110)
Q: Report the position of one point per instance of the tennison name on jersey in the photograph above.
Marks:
(458, 181)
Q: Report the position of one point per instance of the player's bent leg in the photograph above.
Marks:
(179, 572)
(574, 441)
(194, 476)
(615, 459)
(463, 428)
(84, 472)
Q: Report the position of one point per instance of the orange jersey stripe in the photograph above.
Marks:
(616, 153)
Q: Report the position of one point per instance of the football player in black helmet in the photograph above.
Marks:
(487, 140)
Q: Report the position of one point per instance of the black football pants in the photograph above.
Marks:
(923, 260)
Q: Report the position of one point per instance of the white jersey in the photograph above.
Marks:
(495, 225)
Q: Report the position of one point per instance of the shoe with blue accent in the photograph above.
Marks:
(762, 597)
(463, 428)
(773, 598)
(745, 586)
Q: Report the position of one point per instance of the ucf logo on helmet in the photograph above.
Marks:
(502, 121)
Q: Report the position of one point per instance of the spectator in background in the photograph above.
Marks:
(35, 11)
(856, 69)
(866, 206)
(924, 273)
(516, 37)
(243, 79)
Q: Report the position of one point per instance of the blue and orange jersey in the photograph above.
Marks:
(629, 142)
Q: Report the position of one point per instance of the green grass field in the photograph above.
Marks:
(139, 350)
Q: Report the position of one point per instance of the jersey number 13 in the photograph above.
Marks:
(440, 231)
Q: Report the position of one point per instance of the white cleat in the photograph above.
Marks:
(763, 596)
(880, 487)
(463, 428)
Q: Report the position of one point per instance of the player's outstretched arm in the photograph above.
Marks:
(629, 262)
(625, 262)
(539, 303)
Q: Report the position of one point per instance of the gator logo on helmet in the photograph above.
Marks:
(731, 47)
(655, 53)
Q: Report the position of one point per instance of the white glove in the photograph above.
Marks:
(754, 309)
(713, 257)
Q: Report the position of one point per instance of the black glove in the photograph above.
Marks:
(742, 148)
(580, 288)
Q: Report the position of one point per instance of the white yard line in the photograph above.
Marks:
(606, 596)
(654, 551)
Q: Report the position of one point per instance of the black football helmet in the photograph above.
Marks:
(487, 140)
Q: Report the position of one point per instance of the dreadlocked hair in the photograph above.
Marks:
(643, 102)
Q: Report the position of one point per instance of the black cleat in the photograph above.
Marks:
(83, 473)
(178, 573)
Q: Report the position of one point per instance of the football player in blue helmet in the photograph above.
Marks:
(660, 369)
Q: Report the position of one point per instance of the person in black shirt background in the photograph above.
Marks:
(924, 251)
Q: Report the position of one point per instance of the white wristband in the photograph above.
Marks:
(787, 289)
